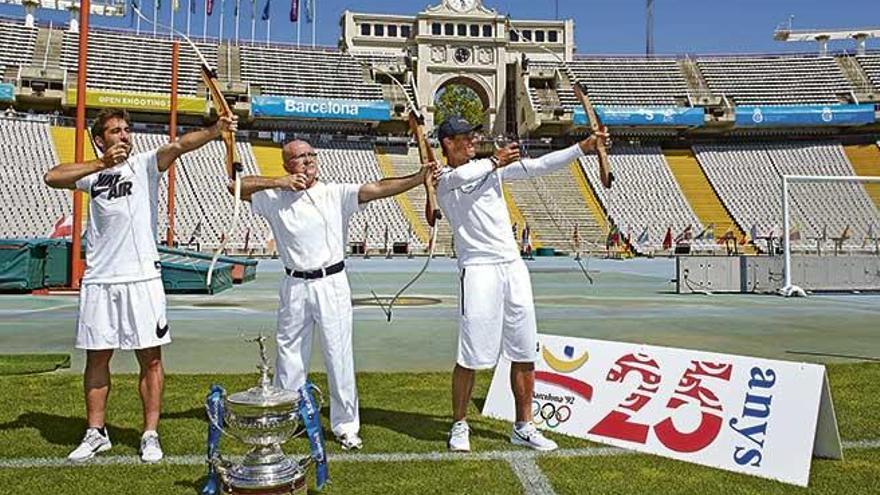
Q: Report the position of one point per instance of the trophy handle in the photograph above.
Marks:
(218, 424)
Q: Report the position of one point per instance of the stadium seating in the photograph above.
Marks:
(18, 44)
(108, 50)
(623, 81)
(776, 80)
(871, 65)
(203, 205)
(355, 163)
(30, 209)
(645, 198)
(287, 71)
(748, 178)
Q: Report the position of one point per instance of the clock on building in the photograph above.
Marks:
(462, 5)
(462, 55)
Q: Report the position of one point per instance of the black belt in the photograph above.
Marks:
(320, 273)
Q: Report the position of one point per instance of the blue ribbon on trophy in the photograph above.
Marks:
(214, 405)
(309, 413)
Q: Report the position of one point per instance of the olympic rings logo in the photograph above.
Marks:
(549, 414)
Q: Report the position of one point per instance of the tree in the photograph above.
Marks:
(457, 99)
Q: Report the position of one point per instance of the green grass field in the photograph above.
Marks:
(41, 417)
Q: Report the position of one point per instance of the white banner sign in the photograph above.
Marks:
(754, 416)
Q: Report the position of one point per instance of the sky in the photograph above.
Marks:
(601, 27)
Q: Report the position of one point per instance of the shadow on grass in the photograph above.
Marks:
(68, 430)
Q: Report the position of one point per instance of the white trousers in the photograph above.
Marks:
(325, 304)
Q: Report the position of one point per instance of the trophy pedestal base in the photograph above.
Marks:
(296, 487)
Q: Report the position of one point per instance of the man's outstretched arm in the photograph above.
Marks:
(168, 153)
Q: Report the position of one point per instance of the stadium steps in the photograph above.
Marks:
(862, 87)
(563, 194)
(405, 162)
(590, 198)
(64, 139)
(229, 63)
(696, 83)
(419, 227)
(48, 47)
(268, 158)
(701, 195)
(865, 160)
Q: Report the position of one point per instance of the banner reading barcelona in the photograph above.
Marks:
(750, 415)
(320, 108)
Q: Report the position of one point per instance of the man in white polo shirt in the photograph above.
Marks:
(309, 220)
(122, 300)
(497, 313)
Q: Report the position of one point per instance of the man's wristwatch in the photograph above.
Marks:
(495, 161)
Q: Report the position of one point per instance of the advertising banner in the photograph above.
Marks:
(749, 415)
(292, 107)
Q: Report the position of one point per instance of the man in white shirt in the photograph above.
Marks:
(309, 221)
(122, 300)
(497, 313)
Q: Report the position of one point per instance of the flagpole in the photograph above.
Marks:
(298, 23)
(205, 23)
(155, 15)
(188, 16)
(222, 13)
(268, 30)
(237, 12)
(314, 19)
(174, 4)
(253, 20)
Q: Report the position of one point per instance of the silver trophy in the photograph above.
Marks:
(264, 417)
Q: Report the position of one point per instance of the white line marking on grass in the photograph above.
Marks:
(531, 477)
(492, 455)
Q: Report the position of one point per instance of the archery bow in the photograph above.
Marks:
(233, 162)
(595, 123)
(433, 213)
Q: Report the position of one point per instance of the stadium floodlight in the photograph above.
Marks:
(789, 289)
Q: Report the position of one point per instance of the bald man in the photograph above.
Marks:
(309, 220)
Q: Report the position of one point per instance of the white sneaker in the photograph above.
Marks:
(150, 449)
(350, 441)
(93, 442)
(460, 437)
(529, 436)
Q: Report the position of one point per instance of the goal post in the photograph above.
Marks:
(789, 288)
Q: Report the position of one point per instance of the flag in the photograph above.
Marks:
(794, 234)
(265, 15)
(613, 236)
(192, 6)
(63, 227)
(253, 9)
(158, 4)
(643, 237)
(707, 234)
(175, 4)
(310, 11)
(294, 10)
(235, 12)
(209, 6)
(685, 234)
(196, 233)
(667, 240)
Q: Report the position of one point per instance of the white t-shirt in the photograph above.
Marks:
(309, 235)
(473, 202)
(123, 208)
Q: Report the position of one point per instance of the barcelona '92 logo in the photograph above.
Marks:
(549, 413)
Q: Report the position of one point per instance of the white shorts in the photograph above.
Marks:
(497, 314)
(127, 316)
